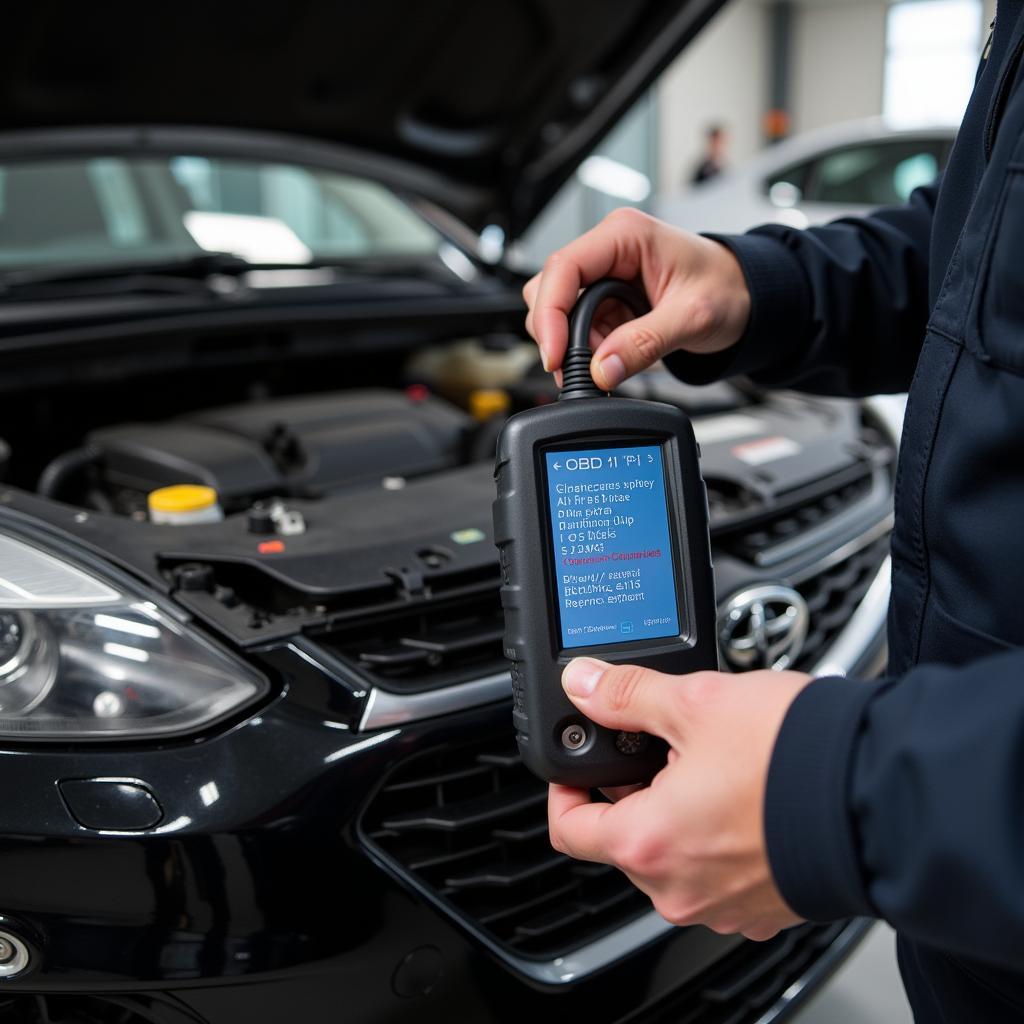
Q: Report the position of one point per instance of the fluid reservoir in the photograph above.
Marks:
(184, 505)
(462, 367)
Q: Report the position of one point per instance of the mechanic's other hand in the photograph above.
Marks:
(699, 297)
(693, 840)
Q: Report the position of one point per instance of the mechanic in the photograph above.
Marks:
(712, 162)
(786, 797)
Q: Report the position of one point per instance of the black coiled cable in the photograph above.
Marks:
(576, 379)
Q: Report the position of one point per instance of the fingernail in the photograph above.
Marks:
(613, 370)
(581, 676)
(544, 359)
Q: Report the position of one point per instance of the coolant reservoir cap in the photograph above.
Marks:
(182, 498)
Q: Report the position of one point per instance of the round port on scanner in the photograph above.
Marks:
(574, 736)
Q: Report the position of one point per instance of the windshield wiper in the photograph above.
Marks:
(186, 275)
(158, 275)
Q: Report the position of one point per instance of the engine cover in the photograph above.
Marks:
(300, 447)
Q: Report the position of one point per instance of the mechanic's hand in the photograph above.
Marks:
(699, 298)
(693, 840)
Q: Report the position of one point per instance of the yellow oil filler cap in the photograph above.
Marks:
(487, 402)
(184, 504)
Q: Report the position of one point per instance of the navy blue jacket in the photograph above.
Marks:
(904, 798)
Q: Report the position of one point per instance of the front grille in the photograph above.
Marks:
(746, 984)
(470, 826)
(450, 640)
(832, 597)
(432, 644)
(799, 512)
(728, 498)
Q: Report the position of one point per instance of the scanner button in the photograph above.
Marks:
(630, 742)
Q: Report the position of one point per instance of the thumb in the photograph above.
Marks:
(626, 697)
(633, 346)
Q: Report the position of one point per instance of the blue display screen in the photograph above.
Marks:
(611, 546)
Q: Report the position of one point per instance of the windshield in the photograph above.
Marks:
(106, 208)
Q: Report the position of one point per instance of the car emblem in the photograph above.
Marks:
(763, 627)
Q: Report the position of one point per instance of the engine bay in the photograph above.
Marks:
(362, 514)
(353, 571)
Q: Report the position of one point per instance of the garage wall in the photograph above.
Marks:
(839, 53)
(722, 76)
(837, 61)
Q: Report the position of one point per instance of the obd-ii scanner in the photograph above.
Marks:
(601, 524)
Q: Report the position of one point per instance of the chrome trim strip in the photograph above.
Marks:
(844, 551)
(384, 708)
(865, 623)
(600, 953)
(628, 939)
(818, 972)
(857, 519)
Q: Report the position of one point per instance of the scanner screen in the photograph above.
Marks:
(614, 576)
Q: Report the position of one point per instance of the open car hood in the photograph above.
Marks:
(494, 103)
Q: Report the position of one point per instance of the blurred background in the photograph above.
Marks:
(842, 105)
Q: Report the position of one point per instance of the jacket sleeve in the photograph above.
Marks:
(905, 800)
(837, 310)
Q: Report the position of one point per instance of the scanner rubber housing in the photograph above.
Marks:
(541, 711)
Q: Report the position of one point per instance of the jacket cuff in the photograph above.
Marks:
(809, 830)
(780, 313)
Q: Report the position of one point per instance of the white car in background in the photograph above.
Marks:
(848, 168)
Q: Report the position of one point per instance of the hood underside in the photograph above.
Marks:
(498, 101)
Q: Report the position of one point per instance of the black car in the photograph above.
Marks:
(256, 761)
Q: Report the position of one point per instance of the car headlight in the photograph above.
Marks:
(83, 658)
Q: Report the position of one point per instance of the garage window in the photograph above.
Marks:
(932, 49)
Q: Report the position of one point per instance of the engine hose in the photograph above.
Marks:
(65, 466)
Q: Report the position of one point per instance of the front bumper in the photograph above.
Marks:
(255, 895)
(265, 896)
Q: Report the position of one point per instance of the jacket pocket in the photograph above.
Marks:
(950, 641)
(1000, 308)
